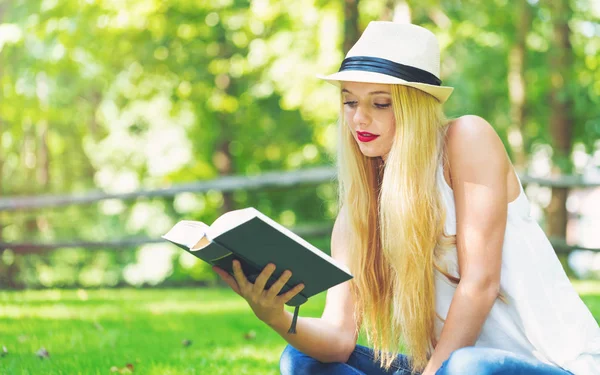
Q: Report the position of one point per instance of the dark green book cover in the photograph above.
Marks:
(256, 240)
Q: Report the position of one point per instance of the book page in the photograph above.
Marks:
(204, 241)
(187, 233)
(230, 220)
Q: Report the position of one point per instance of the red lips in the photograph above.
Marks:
(366, 134)
(366, 137)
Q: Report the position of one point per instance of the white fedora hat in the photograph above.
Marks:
(394, 53)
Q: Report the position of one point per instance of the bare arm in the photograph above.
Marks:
(479, 168)
(330, 338)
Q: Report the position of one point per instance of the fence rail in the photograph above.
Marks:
(277, 179)
(224, 184)
(316, 230)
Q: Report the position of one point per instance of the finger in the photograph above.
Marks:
(261, 280)
(227, 278)
(240, 278)
(285, 297)
(276, 287)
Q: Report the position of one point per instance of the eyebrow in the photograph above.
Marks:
(371, 93)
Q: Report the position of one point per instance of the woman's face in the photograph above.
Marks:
(368, 109)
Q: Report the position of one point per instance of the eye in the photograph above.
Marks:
(382, 106)
(350, 104)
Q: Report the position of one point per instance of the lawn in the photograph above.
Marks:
(94, 331)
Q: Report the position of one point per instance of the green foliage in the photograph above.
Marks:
(120, 96)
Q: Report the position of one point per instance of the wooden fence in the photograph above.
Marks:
(278, 179)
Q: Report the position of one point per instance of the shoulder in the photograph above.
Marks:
(467, 129)
(472, 142)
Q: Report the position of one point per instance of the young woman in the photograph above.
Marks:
(449, 266)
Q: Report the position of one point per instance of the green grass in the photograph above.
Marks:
(89, 332)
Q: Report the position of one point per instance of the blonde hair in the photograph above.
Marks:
(396, 219)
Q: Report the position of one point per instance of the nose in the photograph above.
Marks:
(361, 116)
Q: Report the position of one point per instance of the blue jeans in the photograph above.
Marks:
(469, 360)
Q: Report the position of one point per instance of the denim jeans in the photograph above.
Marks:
(469, 360)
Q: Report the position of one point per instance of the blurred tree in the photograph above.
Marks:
(121, 96)
(516, 82)
(561, 105)
(562, 119)
(351, 28)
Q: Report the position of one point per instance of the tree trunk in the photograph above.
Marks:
(351, 28)
(223, 160)
(388, 11)
(96, 99)
(561, 119)
(9, 273)
(94, 127)
(43, 160)
(2, 151)
(516, 86)
(2, 192)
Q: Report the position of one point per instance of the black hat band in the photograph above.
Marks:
(391, 68)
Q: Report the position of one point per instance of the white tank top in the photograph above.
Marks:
(545, 318)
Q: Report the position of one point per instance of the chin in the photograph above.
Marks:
(372, 154)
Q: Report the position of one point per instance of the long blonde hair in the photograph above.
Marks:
(396, 219)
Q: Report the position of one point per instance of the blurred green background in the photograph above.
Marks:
(106, 97)
(123, 96)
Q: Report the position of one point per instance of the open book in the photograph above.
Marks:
(256, 240)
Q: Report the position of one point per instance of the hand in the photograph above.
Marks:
(266, 304)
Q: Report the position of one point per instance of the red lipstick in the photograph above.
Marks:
(366, 137)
